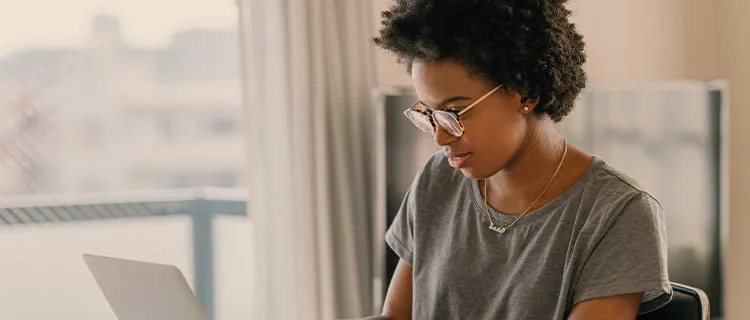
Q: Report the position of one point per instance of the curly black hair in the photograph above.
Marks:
(530, 46)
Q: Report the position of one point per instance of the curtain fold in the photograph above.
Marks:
(308, 72)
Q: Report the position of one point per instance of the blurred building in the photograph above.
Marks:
(110, 116)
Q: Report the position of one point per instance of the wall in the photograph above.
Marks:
(388, 72)
(733, 50)
(646, 41)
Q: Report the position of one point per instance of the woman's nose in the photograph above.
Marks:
(443, 138)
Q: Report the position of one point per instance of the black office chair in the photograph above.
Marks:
(687, 303)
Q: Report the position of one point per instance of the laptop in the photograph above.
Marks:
(137, 290)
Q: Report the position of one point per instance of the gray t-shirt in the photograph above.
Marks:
(604, 236)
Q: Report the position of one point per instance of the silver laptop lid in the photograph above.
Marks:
(137, 290)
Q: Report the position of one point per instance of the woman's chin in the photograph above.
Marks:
(478, 173)
(472, 173)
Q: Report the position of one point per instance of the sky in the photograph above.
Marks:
(25, 23)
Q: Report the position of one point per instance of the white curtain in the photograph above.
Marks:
(308, 73)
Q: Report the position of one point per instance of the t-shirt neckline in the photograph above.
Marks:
(505, 219)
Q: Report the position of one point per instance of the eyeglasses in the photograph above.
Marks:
(426, 120)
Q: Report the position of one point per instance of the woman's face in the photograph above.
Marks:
(494, 129)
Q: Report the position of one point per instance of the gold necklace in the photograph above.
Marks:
(503, 229)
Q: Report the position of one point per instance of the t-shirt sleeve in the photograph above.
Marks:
(400, 235)
(631, 257)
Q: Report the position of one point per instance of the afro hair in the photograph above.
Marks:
(529, 46)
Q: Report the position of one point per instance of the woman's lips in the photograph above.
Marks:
(458, 160)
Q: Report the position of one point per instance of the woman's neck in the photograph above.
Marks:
(516, 186)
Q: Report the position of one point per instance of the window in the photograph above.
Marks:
(108, 110)
(224, 179)
(222, 125)
(92, 135)
(165, 126)
(180, 181)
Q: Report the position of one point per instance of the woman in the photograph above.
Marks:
(509, 221)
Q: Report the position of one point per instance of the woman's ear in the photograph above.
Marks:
(528, 104)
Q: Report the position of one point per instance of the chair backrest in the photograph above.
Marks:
(687, 303)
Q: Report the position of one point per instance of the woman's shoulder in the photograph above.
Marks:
(611, 180)
(610, 191)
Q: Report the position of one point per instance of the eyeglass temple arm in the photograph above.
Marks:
(476, 102)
